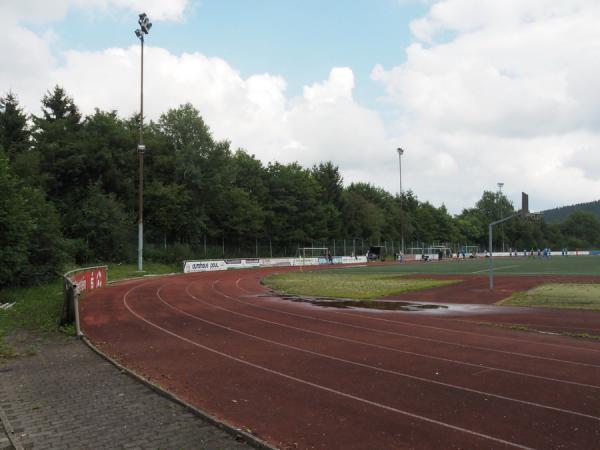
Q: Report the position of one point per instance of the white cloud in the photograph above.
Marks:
(490, 91)
(44, 11)
(253, 113)
(505, 91)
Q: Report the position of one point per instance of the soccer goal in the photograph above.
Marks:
(312, 256)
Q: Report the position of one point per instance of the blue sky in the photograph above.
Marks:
(300, 40)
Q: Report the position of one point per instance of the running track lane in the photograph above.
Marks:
(208, 339)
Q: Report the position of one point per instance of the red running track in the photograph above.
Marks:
(301, 376)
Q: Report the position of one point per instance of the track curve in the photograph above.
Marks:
(300, 376)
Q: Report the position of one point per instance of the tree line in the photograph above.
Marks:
(69, 195)
(562, 213)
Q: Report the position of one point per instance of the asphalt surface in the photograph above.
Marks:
(67, 396)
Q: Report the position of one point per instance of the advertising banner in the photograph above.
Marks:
(222, 264)
(204, 266)
(227, 264)
(353, 259)
(241, 263)
(276, 262)
(88, 280)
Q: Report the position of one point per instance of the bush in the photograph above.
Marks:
(173, 254)
(31, 243)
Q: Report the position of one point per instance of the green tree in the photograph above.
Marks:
(330, 183)
(15, 138)
(294, 212)
(47, 251)
(15, 226)
(582, 230)
(250, 175)
(362, 218)
(56, 135)
(190, 142)
(101, 226)
(167, 206)
(14, 130)
(31, 244)
(106, 149)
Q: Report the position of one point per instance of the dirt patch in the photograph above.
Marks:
(474, 289)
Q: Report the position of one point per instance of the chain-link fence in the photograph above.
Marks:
(224, 247)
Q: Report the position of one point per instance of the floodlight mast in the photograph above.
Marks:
(524, 212)
(400, 153)
(500, 185)
(145, 26)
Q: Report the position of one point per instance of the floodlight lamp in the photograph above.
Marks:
(143, 17)
(400, 151)
(139, 34)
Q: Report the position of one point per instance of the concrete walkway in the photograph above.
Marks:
(67, 396)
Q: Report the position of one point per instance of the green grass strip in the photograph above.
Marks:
(558, 295)
(348, 285)
(37, 309)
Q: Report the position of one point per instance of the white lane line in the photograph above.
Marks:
(315, 385)
(496, 269)
(437, 341)
(368, 366)
(450, 330)
(384, 347)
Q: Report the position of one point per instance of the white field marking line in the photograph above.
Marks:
(378, 369)
(572, 347)
(405, 352)
(314, 385)
(393, 333)
(496, 269)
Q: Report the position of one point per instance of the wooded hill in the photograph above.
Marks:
(68, 188)
(561, 214)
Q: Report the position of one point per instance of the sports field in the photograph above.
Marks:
(520, 265)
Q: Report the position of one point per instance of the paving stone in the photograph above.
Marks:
(66, 396)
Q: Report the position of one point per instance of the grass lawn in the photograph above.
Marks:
(559, 295)
(520, 265)
(121, 271)
(340, 284)
(37, 309)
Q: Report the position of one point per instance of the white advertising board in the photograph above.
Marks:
(226, 264)
(204, 266)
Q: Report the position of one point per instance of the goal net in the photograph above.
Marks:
(310, 256)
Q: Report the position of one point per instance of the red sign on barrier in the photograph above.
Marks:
(88, 280)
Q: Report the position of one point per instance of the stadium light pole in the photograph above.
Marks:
(400, 153)
(500, 185)
(144, 28)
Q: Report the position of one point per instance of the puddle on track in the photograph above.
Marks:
(382, 305)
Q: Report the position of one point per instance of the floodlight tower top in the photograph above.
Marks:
(145, 26)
